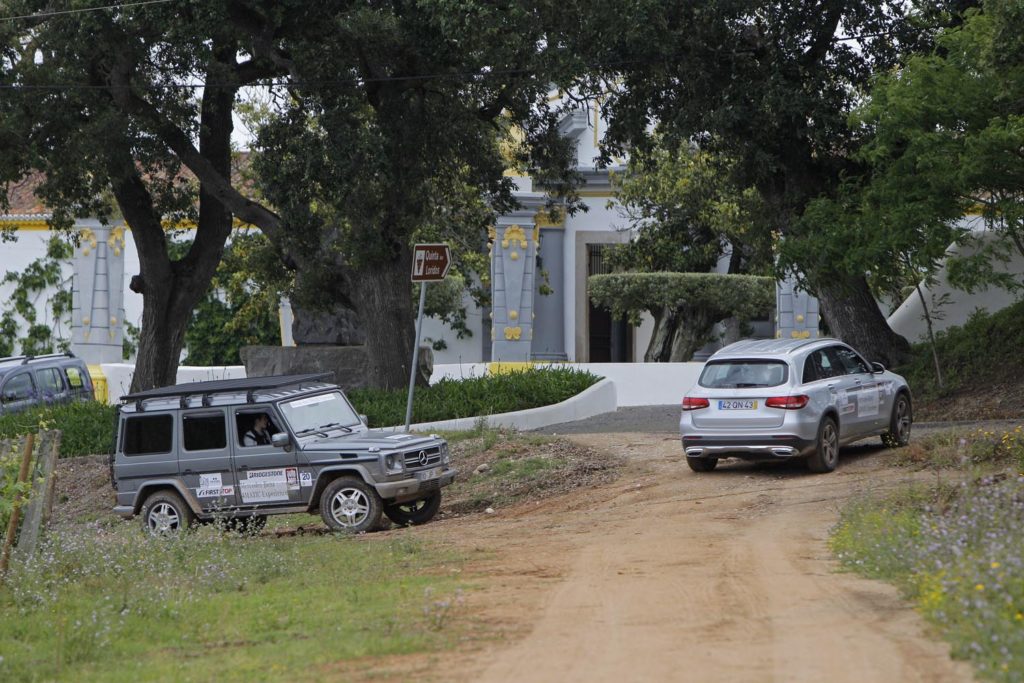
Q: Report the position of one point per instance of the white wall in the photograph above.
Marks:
(119, 376)
(908, 320)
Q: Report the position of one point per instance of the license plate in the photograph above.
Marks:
(432, 473)
(737, 405)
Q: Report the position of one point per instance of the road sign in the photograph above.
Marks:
(430, 262)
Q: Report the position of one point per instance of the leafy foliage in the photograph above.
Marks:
(684, 212)
(487, 395)
(968, 354)
(240, 307)
(10, 467)
(45, 273)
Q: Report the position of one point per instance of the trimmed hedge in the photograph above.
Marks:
(88, 426)
(486, 395)
(629, 294)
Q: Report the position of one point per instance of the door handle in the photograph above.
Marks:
(832, 387)
(187, 472)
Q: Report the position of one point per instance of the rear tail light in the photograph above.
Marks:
(787, 402)
(690, 403)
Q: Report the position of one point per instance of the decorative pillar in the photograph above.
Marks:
(513, 265)
(549, 325)
(97, 295)
(796, 311)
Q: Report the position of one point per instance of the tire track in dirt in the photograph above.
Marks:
(669, 575)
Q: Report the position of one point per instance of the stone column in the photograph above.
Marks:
(796, 312)
(513, 262)
(97, 295)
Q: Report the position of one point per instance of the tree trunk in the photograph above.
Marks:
(659, 349)
(852, 315)
(385, 307)
(694, 331)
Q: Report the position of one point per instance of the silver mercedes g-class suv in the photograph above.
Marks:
(242, 449)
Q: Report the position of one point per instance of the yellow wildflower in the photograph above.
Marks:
(994, 565)
(980, 587)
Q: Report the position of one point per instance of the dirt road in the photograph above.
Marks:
(667, 575)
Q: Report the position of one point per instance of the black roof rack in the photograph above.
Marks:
(250, 385)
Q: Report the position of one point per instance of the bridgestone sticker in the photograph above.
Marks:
(268, 486)
(216, 492)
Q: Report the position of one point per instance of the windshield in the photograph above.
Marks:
(318, 413)
(741, 374)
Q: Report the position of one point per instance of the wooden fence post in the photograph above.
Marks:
(12, 526)
(36, 513)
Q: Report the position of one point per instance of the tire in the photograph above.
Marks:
(350, 504)
(165, 514)
(900, 423)
(415, 512)
(826, 451)
(701, 464)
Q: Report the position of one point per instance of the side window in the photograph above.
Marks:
(204, 431)
(851, 363)
(820, 365)
(255, 427)
(74, 376)
(147, 434)
(49, 381)
(19, 388)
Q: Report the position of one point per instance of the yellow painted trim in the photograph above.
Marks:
(99, 383)
(541, 219)
(500, 368)
(21, 224)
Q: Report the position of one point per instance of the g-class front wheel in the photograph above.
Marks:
(349, 504)
(414, 512)
(165, 514)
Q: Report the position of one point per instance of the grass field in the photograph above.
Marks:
(109, 604)
(954, 547)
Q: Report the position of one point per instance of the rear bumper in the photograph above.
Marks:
(751, 447)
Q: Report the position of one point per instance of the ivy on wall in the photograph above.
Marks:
(42, 275)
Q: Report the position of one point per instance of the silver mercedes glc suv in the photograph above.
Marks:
(791, 398)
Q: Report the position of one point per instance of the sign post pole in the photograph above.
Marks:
(430, 263)
(414, 366)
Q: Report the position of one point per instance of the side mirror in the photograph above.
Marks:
(877, 368)
(281, 440)
(365, 420)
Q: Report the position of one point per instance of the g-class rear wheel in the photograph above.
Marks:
(165, 514)
(349, 504)
(414, 512)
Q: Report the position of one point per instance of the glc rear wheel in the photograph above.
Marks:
(900, 423)
(701, 464)
(826, 452)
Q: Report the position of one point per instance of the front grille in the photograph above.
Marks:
(424, 457)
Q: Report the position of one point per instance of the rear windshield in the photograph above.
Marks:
(742, 374)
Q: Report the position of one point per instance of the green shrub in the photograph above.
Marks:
(486, 395)
(87, 426)
(985, 349)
